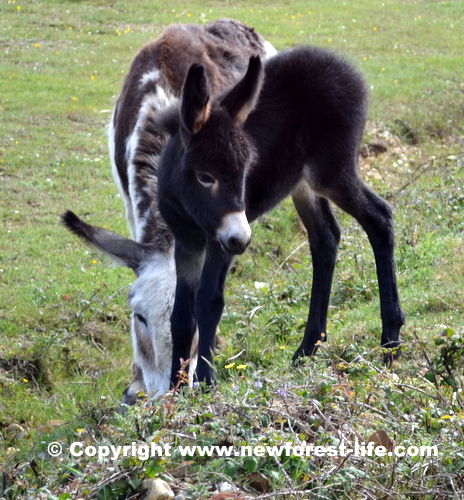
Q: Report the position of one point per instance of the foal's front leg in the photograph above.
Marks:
(189, 264)
(209, 304)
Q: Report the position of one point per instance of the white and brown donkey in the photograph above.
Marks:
(154, 82)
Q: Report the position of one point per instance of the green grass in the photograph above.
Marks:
(65, 348)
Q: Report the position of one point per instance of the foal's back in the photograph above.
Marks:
(309, 121)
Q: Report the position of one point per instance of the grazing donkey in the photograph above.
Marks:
(291, 128)
(154, 82)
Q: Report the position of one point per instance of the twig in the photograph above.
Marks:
(292, 491)
(237, 355)
(300, 424)
(219, 474)
(111, 297)
(288, 480)
(407, 386)
(238, 412)
(424, 352)
(109, 480)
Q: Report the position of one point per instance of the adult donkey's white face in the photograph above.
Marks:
(151, 298)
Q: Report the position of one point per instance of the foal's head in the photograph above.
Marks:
(209, 155)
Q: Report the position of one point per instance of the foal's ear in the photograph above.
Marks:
(242, 99)
(196, 107)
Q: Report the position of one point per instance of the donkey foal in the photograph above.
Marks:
(293, 128)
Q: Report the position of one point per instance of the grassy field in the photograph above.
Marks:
(65, 350)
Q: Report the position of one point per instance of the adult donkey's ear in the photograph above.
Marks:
(196, 106)
(122, 250)
(242, 99)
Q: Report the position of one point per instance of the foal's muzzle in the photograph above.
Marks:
(234, 234)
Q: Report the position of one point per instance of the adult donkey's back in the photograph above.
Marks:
(291, 128)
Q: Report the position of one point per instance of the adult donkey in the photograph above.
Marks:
(153, 83)
(291, 128)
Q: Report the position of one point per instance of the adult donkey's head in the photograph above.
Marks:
(151, 298)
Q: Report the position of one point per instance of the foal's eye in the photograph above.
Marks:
(206, 180)
(140, 318)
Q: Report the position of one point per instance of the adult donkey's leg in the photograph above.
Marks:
(324, 237)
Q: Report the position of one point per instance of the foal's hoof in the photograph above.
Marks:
(391, 354)
(306, 351)
(134, 392)
(298, 359)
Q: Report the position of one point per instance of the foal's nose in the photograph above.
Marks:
(234, 233)
(235, 245)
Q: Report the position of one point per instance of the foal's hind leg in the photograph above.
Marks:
(375, 216)
(324, 237)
